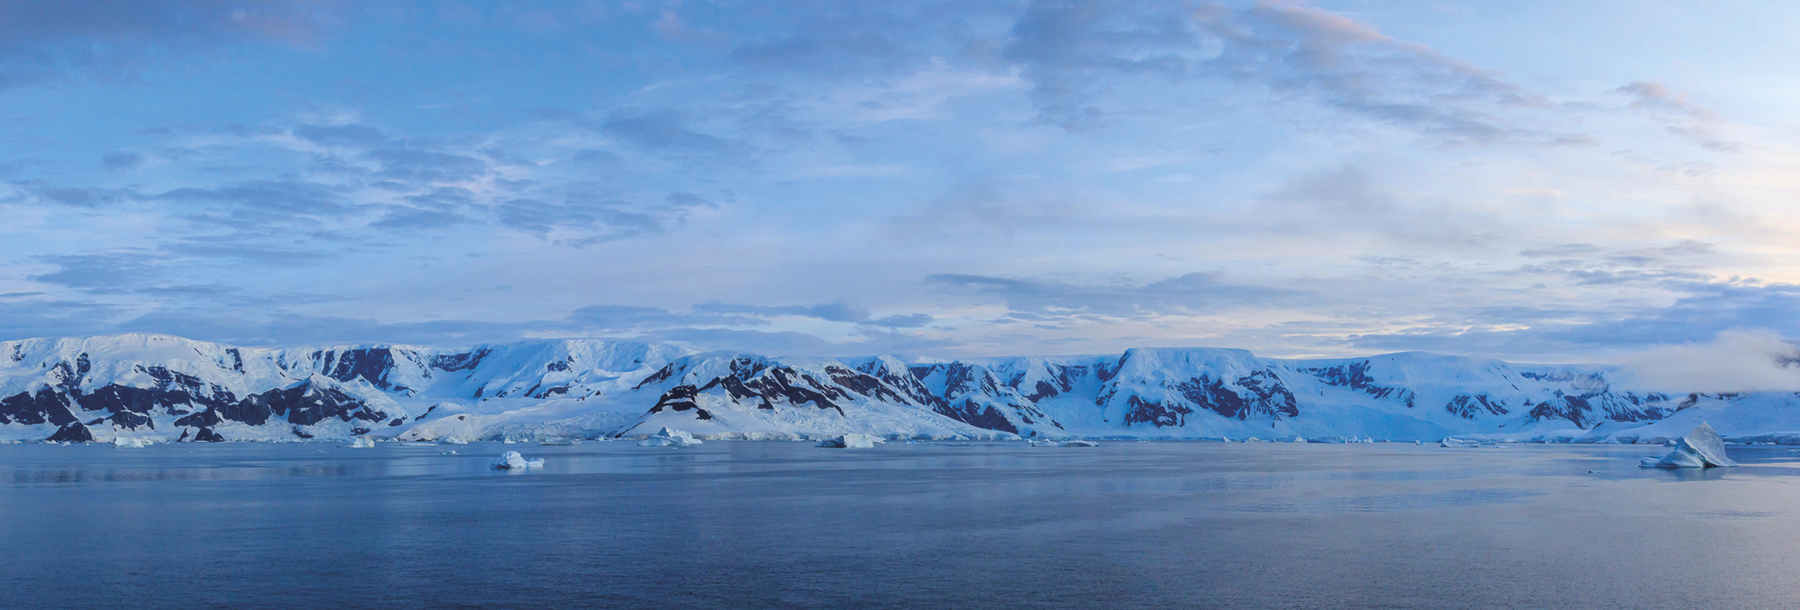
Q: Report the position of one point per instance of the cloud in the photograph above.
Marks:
(830, 312)
(902, 321)
(1680, 116)
(404, 218)
(1073, 52)
(262, 205)
(28, 318)
(108, 272)
(599, 221)
(1348, 65)
(86, 197)
(862, 39)
(666, 130)
(121, 161)
(625, 317)
(1068, 49)
(359, 136)
(1560, 250)
(1703, 311)
(777, 343)
(426, 167)
(289, 329)
(1734, 361)
(41, 41)
(1049, 300)
(1348, 198)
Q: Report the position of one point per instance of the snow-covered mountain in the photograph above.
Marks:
(101, 388)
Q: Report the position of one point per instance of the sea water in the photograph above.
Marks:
(928, 525)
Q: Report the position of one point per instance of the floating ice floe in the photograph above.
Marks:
(851, 441)
(1701, 448)
(1459, 443)
(131, 442)
(361, 442)
(669, 437)
(452, 440)
(511, 460)
(556, 442)
(1073, 443)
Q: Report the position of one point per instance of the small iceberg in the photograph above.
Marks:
(452, 440)
(669, 437)
(1459, 443)
(1701, 448)
(131, 442)
(1074, 443)
(361, 442)
(556, 442)
(851, 441)
(511, 460)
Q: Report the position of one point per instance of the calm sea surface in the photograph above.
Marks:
(786, 525)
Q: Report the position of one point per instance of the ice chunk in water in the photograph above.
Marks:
(361, 442)
(669, 437)
(1701, 448)
(851, 441)
(131, 442)
(452, 440)
(511, 460)
(1460, 443)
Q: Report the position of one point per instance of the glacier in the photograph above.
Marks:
(161, 388)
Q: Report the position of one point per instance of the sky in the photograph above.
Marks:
(1535, 181)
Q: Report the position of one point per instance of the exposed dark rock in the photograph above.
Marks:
(72, 433)
(1355, 375)
(1470, 406)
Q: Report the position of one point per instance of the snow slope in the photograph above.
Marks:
(171, 389)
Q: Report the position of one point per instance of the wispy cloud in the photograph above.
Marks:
(1680, 116)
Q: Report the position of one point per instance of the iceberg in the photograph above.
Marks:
(361, 442)
(131, 442)
(452, 440)
(669, 437)
(511, 460)
(1701, 448)
(1080, 444)
(851, 441)
(557, 442)
(1459, 443)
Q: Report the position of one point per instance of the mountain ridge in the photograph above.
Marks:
(170, 388)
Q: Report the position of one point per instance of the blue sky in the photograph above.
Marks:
(1535, 181)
